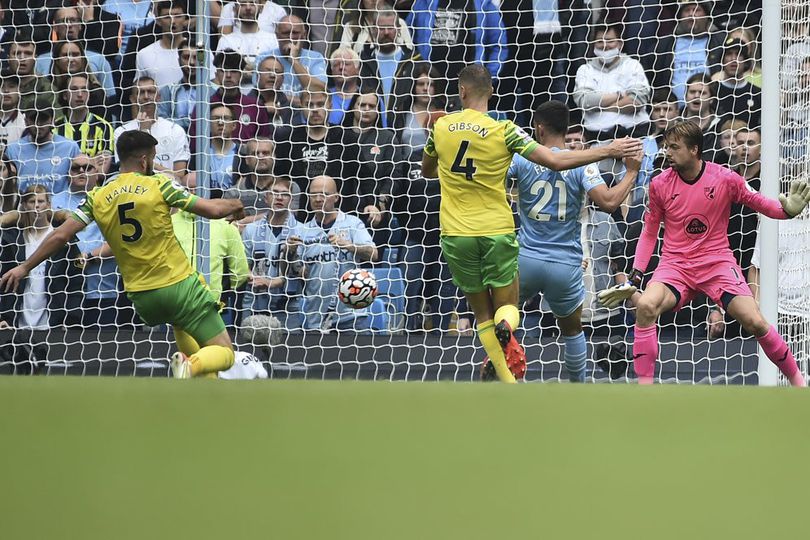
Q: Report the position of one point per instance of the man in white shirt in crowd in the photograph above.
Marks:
(172, 151)
(248, 39)
(160, 60)
(612, 90)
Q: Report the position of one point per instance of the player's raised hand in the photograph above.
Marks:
(633, 163)
(796, 200)
(612, 297)
(11, 279)
(624, 147)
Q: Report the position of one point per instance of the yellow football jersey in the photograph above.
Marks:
(474, 152)
(133, 212)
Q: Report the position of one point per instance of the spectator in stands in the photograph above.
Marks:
(161, 60)
(223, 147)
(101, 29)
(40, 156)
(177, 100)
(664, 112)
(70, 62)
(256, 168)
(101, 277)
(52, 293)
(612, 90)
(248, 39)
(6, 37)
(369, 166)
(386, 67)
(423, 104)
(724, 144)
(694, 48)
(228, 262)
(736, 97)
(91, 132)
(793, 294)
(328, 245)
(453, 33)
(252, 118)
(305, 154)
(22, 62)
(746, 160)
(748, 38)
(172, 151)
(344, 82)
(32, 18)
(575, 138)
(12, 120)
(795, 41)
(270, 13)
(359, 22)
(8, 189)
(273, 287)
(549, 41)
(304, 69)
(134, 16)
(269, 78)
(701, 107)
(67, 27)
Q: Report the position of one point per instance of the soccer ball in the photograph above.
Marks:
(357, 288)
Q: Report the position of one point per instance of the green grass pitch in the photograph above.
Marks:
(87, 458)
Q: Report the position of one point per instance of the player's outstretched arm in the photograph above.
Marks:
(218, 208)
(50, 245)
(560, 161)
(609, 199)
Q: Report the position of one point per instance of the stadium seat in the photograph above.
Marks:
(379, 316)
(391, 290)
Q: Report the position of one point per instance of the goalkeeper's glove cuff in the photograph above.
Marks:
(636, 277)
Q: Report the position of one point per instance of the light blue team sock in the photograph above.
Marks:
(574, 353)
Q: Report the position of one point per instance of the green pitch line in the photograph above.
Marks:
(134, 458)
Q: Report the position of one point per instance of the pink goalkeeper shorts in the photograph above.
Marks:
(713, 277)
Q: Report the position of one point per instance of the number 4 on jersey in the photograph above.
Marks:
(468, 169)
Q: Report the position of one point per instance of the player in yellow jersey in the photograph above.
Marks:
(133, 211)
(471, 152)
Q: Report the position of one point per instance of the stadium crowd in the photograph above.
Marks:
(318, 115)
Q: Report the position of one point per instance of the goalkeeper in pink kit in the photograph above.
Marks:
(693, 198)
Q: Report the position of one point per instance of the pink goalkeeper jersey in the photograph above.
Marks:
(696, 214)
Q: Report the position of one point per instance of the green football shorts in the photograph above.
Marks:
(479, 262)
(187, 304)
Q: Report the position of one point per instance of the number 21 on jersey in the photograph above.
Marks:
(546, 191)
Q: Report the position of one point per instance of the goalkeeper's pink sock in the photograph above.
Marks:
(779, 353)
(645, 353)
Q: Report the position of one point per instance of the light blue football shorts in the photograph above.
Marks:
(561, 284)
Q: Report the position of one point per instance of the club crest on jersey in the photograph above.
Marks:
(709, 192)
(696, 226)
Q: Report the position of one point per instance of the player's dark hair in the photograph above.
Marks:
(554, 116)
(476, 79)
(133, 144)
(688, 132)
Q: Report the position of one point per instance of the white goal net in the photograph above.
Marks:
(315, 115)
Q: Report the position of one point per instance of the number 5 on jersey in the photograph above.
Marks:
(134, 223)
(468, 169)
